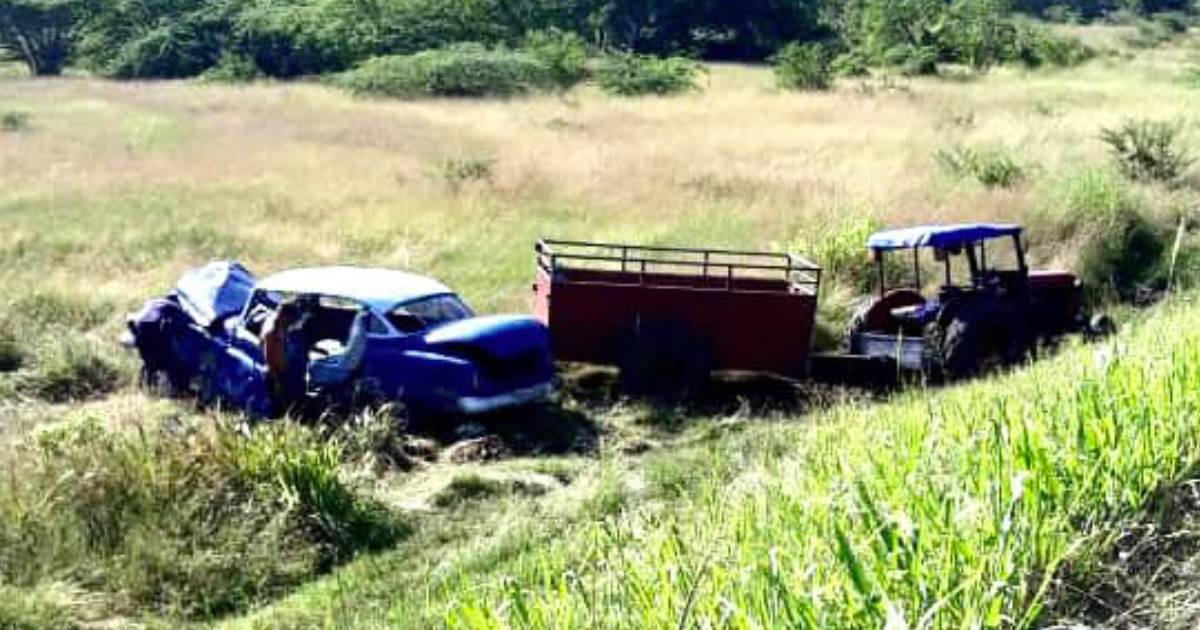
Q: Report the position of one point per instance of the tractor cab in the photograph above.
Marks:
(987, 308)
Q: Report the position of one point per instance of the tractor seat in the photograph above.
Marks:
(881, 316)
(916, 314)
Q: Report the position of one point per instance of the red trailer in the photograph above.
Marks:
(673, 312)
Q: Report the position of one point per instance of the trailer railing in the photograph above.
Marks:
(725, 269)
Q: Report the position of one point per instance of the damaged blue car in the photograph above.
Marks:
(372, 335)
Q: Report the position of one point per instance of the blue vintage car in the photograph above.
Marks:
(413, 340)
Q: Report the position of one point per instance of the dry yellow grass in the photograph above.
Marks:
(117, 187)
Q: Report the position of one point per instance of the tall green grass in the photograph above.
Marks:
(177, 518)
(952, 509)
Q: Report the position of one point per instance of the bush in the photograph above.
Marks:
(1062, 14)
(1150, 34)
(1148, 150)
(69, 368)
(288, 39)
(1119, 249)
(467, 70)
(1035, 46)
(993, 167)
(839, 247)
(1124, 255)
(12, 355)
(912, 60)
(193, 521)
(802, 67)
(564, 55)
(629, 74)
(14, 120)
(1173, 22)
(458, 172)
(232, 68)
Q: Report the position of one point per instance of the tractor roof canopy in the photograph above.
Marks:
(940, 235)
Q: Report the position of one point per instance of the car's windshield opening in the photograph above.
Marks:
(428, 313)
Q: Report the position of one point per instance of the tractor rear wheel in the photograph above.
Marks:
(977, 337)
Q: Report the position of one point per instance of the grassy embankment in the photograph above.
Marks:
(108, 191)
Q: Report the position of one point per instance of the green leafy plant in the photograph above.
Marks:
(994, 167)
(802, 67)
(563, 54)
(1035, 46)
(630, 74)
(466, 70)
(1148, 150)
(233, 69)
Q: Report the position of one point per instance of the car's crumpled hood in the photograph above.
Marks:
(500, 336)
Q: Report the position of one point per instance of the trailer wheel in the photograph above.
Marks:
(664, 363)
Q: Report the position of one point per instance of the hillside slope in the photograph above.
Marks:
(968, 507)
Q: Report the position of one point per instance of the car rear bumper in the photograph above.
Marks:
(472, 405)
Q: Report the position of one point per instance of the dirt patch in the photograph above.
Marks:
(488, 448)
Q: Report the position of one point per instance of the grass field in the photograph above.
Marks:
(971, 507)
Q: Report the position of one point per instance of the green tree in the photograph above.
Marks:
(39, 32)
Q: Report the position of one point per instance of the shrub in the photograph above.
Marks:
(1119, 250)
(1125, 254)
(69, 368)
(1148, 150)
(630, 74)
(1035, 46)
(232, 68)
(993, 167)
(12, 356)
(1150, 34)
(802, 67)
(14, 120)
(1173, 22)
(288, 39)
(467, 70)
(174, 50)
(839, 247)
(1062, 14)
(563, 54)
(458, 172)
(911, 60)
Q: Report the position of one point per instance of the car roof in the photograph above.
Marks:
(381, 289)
(940, 235)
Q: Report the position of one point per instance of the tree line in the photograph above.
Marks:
(288, 38)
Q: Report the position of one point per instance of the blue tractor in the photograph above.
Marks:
(989, 309)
